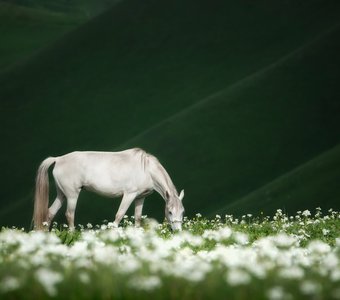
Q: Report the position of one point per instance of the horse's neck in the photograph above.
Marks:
(161, 179)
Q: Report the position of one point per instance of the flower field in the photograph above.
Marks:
(277, 257)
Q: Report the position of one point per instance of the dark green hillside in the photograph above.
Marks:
(229, 95)
(24, 30)
(84, 8)
(256, 130)
(29, 25)
(316, 182)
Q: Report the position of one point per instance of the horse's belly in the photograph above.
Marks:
(104, 191)
(112, 186)
(104, 187)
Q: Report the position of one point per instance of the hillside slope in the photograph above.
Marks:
(81, 8)
(24, 30)
(26, 27)
(256, 130)
(316, 182)
(228, 95)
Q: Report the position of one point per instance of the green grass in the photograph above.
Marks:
(229, 96)
(254, 226)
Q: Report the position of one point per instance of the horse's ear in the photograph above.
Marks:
(181, 195)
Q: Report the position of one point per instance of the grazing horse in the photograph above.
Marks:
(132, 173)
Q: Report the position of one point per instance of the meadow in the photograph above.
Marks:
(237, 99)
(252, 257)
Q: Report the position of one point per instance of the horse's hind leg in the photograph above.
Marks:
(68, 188)
(70, 211)
(56, 205)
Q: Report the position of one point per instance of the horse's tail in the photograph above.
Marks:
(40, 214)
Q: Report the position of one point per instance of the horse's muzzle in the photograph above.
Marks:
(176, 225)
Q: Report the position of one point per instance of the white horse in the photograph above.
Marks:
(132, 173)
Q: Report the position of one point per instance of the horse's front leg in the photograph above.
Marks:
(138, 211)
(123, 207)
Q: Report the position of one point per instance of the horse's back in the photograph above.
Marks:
(107, 172)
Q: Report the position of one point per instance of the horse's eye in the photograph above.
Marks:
(170, 213)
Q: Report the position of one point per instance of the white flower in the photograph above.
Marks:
(210, 235)
(192, 240)
(241, 238)
(309, 287)
(111, 225)
(79, 249)
(225, 233)
(292, 273)
(325, 231)
(238, 277)
(335, 275)
(188, 266)
(306, 213)
(48, 279)
(331, 261)
(284, 240)
(128, 264)
(152, 224)
(337, 242)
(145, 283)
(318, 247)
(276, 293)
(84, 278)
(257, 269)
(9, 284)
(279, 212)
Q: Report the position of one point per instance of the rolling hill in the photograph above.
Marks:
(28, 26)
(315, 182)
(251, 131)
(81, 8)
(24, 30)
(230, 96)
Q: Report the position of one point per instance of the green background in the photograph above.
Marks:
(239, 100)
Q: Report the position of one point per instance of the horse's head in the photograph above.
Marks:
(174, 210)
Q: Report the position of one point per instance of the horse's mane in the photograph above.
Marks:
(152, 164)
(143, 157)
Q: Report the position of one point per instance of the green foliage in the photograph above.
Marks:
(67, 237)
(304, 225)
